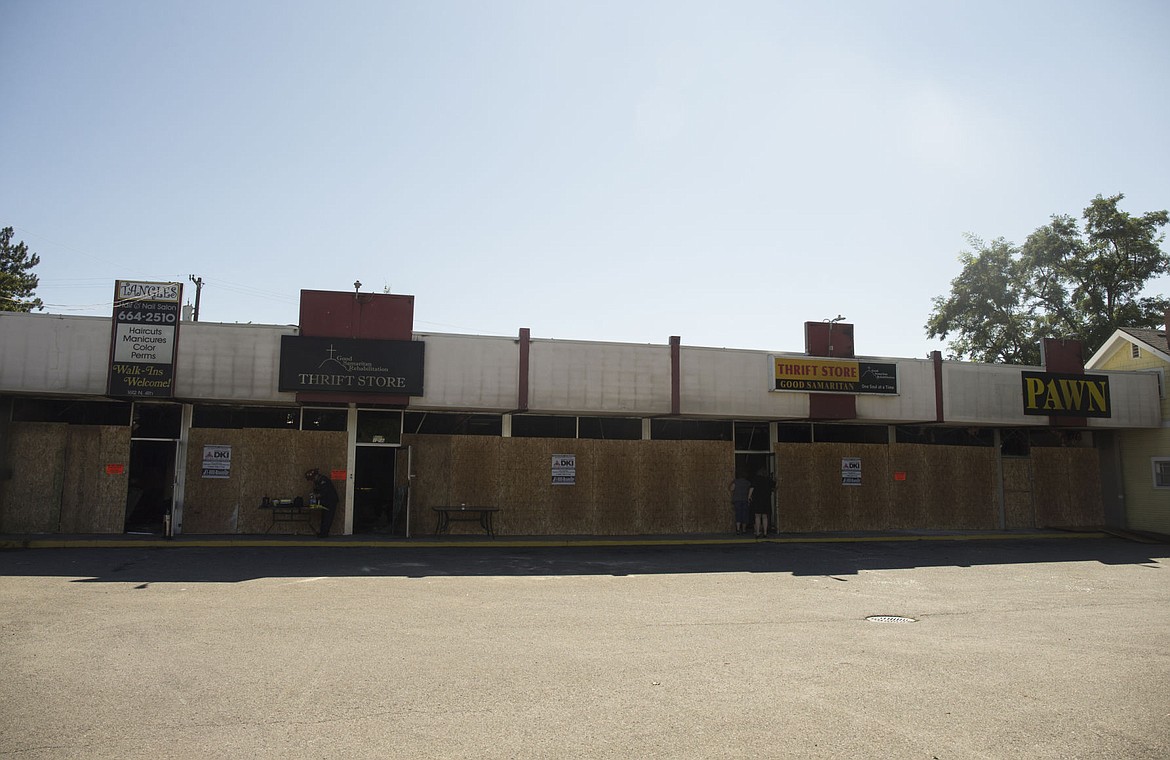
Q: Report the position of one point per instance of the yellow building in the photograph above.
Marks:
(1144, 453)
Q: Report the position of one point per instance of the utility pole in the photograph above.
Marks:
(198, 290)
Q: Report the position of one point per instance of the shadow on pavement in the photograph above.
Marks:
(239, 564)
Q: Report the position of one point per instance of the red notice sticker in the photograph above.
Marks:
(337, 474)
(115, 469)
(899, 475)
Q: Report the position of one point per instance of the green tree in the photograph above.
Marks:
(17, 282)
(1065, 281)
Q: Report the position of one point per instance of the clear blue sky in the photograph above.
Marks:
(615, 171)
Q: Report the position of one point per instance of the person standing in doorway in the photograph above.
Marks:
(741, 494)
(761, 500)
(326, 498)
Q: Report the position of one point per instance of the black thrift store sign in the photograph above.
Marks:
(350, 365)
(145, 338)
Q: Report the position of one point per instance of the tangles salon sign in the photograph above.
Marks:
(145, 337)
(345, 365)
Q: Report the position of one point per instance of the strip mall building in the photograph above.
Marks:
(125, 423)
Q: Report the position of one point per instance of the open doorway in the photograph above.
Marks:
(755, 466)
(375, 510)
(151, 489)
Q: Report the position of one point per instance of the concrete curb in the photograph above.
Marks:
(346, 542)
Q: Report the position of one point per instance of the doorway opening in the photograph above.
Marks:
(755, 467)
(151, 491)
(375, 506)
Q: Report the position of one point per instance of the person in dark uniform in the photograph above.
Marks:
(326, 498)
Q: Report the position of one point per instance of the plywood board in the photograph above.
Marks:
(92, 499)
(621, 488)
(30, 501)
(945, 487)
(1019, 509)
(265, 462)
(1068, 488)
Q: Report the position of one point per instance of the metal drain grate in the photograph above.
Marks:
(890, 619)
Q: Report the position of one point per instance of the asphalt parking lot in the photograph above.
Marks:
(980, 649)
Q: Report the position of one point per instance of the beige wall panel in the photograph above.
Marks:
(736, 383)
(234, 362)
(1068, 488)
(985, 394)
(582, 377)
(231, 362)
(914, 400)
(992, 394)
(733, 383)
(47, 353)
(91, 500)
(1134, 401)
(469, 372)
(264, 463)
(31, 501)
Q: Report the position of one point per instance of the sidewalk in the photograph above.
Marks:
(470, 540)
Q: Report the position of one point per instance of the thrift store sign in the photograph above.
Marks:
(351, 365)
(833, 376)
(146, 333)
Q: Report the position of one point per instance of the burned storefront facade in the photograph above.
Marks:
(562, 437)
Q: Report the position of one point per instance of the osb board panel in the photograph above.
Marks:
(963, 493)
(700, 475)
(474, 471)
(93, 501)
(1017, 494)
(1017, 474)
(430, 461)
(622, 487)
(811, 496)
(910, 498)
(530, 504)
(30, 502)
(945, 487)
(1068, 488)
(264, 463)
